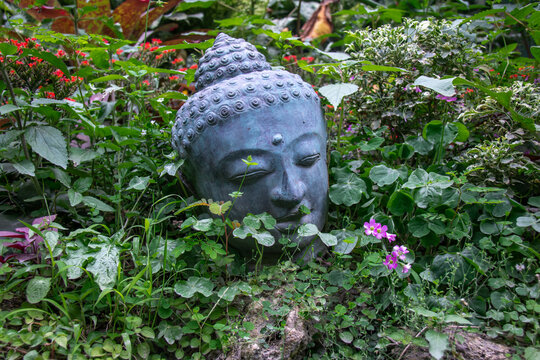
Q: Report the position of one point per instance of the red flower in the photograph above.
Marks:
(49, 95)
(80, 53)
(119, 52)
(156, 41)
(182, 69)
(85, 62)
(159, 56)
(60, 52)
(146, 82)
(174, 77)
(58, 73)
(194, 66)
(177, 60)
(69, 99)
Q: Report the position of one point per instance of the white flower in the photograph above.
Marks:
(520, 267)
(143, 132)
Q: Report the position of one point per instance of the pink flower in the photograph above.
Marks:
(371, 227)
(446, 98)
(400, 251)
(391, 237)
(406, 268)
(380, 232)
(391, 261)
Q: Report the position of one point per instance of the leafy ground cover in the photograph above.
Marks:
(433, 153)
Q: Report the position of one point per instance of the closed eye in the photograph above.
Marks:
(250, 175)
(309, 160)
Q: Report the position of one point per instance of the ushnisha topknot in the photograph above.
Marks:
(233, 78)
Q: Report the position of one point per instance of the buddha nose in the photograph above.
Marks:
(289, 193)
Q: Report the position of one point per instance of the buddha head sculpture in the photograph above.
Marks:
(244, 108)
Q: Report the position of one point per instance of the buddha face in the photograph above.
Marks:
(288, 144)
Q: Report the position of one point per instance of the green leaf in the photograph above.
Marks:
(61, 341)
(8, 108)
(201, 46)
(194, 285)
(264, 238)
(96, 204)
(370, 67)
(228, 292)
(371, 144)
(25, 167)
(308, 230)
(82, 184)
(336, 92)
(74, 197)
(444, 87)
(420, 145)
(348, 191)
(7, 49)
(328, 239)
(432, 132)
(418, 226)
(346, 337)
(338, 56)
(138, 183)
(100, 58)
(62, 176)
(188, 4)
(535, 51)
(49, 143)
(78, 155)
(105, 265)
(108, 78)
(456, 319)
(75, 258)
(382, 175)
(463, 132)
(400, 203)
(438, 343)
(172, 95)
(37, 289)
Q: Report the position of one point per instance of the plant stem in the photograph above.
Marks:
(340, 125)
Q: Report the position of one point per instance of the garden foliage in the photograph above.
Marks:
(433, 156)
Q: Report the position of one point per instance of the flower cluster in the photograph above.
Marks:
(398, 252)
(293, 58)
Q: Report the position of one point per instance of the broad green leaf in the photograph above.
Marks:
(7, 49)
(432, 132)
(346, 241)
(463, 133)
(418, 226)
(382, 175)
(194, 285)
(188, 4)
(172, 95)
(62, 176)
(51, 239)
(74, 197)
(61, 341)
(75, 258)
(400, 203)
(49, 143)
(456, 319)
(336, 92)
(371, 144)
(338, 56)
(228, 292)
(96, 204)
(100, 58)
(425, 312)
(264, 238)
(7, 137)
(108, 78)
(346, 337)
(348, 191)
(105, 265)
(308, 230)
(443, 87)
(138, 183)
(8, 108)
(82, 184)
(37, 289)
(78, 155)
(25, 167)
(535, 51)
(328, 239)
(370, 67)
(419, 144)
(438, 343)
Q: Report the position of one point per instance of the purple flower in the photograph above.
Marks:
(371, 227)
(352, 78)
(406, 268)
(520, 267)
(391, 237)
(417, 89)
(476, 70)
(400, 251)
(446, 98)
(391, 261)
(380, 232)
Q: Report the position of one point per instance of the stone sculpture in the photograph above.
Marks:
(244, 108)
